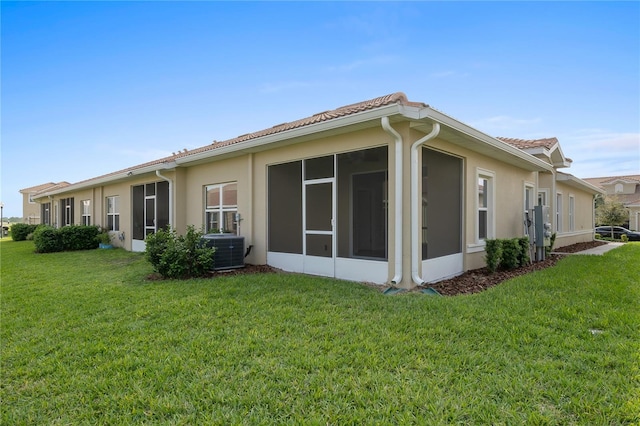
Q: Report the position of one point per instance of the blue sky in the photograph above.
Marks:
(93, 87)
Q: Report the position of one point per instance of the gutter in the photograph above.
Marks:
(398, 200)
(415, 208)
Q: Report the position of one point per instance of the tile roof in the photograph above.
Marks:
(44, 186)
(547, 143)
(611, 179)
(54, 187)
(394, 98)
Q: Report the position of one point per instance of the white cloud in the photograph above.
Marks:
(597, 152)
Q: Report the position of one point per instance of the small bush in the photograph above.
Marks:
(493, 255)
(624, 238)
(523, 255)
(20, 231)
(510, 253)
(78, 237)
(548, 250)
(47, 240)
(179, 256)
(598, 237)
(507, 253)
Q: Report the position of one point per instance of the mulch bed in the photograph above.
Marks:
(473, 281)
(478, 280)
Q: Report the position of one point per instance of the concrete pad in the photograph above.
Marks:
(600, 250)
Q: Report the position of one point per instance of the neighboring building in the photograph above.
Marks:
(383, 191)
(35, 213)
(625, 189)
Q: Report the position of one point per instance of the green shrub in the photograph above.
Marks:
(20, 231)
(179, 256)
(493, 255)
(523, 255)
(548, 250)
(47, 240)
(77, 237)
(69, 238)
(598, 236)
(624, 238)
(155, 246)
(510, 253)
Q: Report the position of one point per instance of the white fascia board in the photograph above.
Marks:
(298, 132)
(124, 175)
(578, 183)
(537, 163)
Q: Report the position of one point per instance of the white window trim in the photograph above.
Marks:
(87, 214)
(572, 212)
(221, 209)
(544, 191)
(533, 198)
(491, 205)
(559, 212)
(114, 213)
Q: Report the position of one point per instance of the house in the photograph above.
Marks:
(383, 191)
(625, 189)
(34, 213)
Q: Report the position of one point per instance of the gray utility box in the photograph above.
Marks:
(229, 250)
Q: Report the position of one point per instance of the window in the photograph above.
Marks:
(542, 197)
(559, 212)
(572, 213)
(113, 213)
(66, 211)
(46, 213)
(31, 199)
(618, 189)
(485, 228)
(86, 212)
(221, 207)
(528, 205)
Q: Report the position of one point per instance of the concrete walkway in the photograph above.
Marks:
(600, 250)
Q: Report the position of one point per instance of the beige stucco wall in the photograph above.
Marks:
(30, 210)
(509, 197)
(249, 170)
(583, 216)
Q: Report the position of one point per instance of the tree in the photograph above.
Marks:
(611, 212)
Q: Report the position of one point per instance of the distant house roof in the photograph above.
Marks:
(547, 148)
(607, 182)
(44, 187)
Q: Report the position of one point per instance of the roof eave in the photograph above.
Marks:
(112, 178)
(520, 157)
(578, 183)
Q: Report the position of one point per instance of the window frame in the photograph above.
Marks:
(489, 207)
(559, 212)
(86, 213)
(66, 206)
(112, 201)
(224, 212)
(572, 212)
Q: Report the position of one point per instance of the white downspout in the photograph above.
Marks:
(170, 197)
(398, 201)
(415, 205)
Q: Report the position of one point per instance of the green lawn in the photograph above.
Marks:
(87, 340)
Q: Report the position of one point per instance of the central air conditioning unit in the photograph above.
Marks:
(229, 250)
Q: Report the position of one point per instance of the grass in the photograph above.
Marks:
(87, 340)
